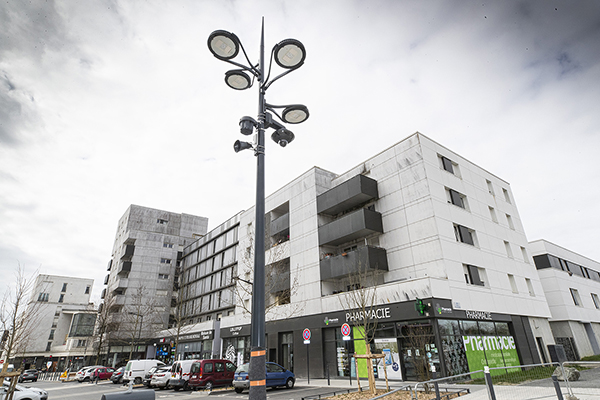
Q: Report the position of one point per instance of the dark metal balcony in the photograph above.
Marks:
(106, 279)
(103, 295)
(352, 262)
(129, 250)
(109, 265)
(345, 196)
(280, 225)
(356, 225)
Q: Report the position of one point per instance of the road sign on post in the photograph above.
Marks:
(346, 332)
(306, 336)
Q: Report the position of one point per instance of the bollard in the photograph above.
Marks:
(557, 387)
(488, 383)
(435, 384)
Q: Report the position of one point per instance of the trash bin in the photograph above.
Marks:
(147, 394)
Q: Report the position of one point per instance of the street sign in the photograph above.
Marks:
(345, 331)
(306, 336)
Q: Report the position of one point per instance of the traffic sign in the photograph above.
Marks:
(346, 330)
(306, 336)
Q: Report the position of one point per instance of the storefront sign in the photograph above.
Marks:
(203, 335)
(478, 314)
(493, 351)
(442, 310)
(379, 313)
(331, 320)
(235, 331)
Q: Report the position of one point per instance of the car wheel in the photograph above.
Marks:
(208, 386)
(35, 380)
(239, 390)
(137, 380)
(289, 383)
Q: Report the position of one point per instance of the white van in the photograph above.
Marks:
(136, 370)
(180, 374)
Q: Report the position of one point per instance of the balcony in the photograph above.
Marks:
(356, 225)
(280, 225)
(122, 283)
(352, 262)
(109, 265)
(103, 295)
(345, 196)
(128, 253)
(125, 268)
(106, 279)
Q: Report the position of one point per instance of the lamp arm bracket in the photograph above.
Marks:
(266, 85)
(258, 150)
(254, 69)
(271, 123)
(251, 69)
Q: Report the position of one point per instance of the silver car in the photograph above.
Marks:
(160, 377)
(24, 392)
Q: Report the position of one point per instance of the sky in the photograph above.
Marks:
(104, 104)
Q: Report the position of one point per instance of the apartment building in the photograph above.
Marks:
(63, 323)
(142, 274)
(440, 239)
(572, 286)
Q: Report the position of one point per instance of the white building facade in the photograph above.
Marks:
(65, 318)
(426, 225)
(572, 286)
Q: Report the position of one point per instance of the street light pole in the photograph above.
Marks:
(288, 54)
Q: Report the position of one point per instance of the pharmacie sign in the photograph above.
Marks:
(472, 314)
(377, 313)
(493, 351)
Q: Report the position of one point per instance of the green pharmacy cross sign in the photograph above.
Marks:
(421, 307)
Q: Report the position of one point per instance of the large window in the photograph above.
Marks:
(474, 275)
(82, 325)
(456, 198)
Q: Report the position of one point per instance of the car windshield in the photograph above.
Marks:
(242, 368)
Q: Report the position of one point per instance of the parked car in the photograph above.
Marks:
(29, 375)
(24, 393)
(160, 377)
(211, 373)
(276, 376)
(83, 374)
(103, 373)
(117, 376)
(136, 370)
(180, 374)
(148, 376)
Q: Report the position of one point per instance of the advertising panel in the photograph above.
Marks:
(493, 351)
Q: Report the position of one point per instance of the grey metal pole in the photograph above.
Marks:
(488, 383)
(557, 387)
(257, 368)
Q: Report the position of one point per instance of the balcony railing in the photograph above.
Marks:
(363, 258)
(347, 195)
(356, 225)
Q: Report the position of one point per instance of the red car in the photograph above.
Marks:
(102, 372)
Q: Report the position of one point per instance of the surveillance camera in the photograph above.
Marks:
(283, 143)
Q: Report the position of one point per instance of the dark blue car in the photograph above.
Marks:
(276, 376)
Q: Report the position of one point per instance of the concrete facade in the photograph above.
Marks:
(142, 272)
(450, 233)
(572, 286)
(65, 320)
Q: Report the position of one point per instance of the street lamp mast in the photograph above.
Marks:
(289, 54)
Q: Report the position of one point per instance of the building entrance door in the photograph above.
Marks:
(287, 351)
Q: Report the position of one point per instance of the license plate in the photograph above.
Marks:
(239, 378)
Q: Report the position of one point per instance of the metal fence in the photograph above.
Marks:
(573, 380)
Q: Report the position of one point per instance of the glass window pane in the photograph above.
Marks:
(469, 327)
(448, 327)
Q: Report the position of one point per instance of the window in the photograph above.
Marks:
(49, 346)
(456, 198)
(43, 297)
(576, 298)
(513, 283)
(506, 196)
(61, 298)
(163, 276)
(219, 316)
(490, 187)
(473, 275)
(524, 253)
(464, 234)
(493, 214)
(64, 288)
(165, 261)
(596, 300)
(81, 343)
(161, 293)
(529, 286)
(51, 337)
(87, 289)
(161, 221)
(447, 164)
(509, 252)
(168, 245)
(511, 225)
(219, 367)
(208, 367)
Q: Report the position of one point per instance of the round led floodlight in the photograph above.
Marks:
(237, 79)
(224, 45)
(295, 114)
(289, 53)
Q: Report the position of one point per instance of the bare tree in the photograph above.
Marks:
(281, 284)
(18, 317)
(419, 336)
(137, 316)
(360, 298)
(104, 327)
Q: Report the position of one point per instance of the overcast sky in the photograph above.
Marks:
(104, 104)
